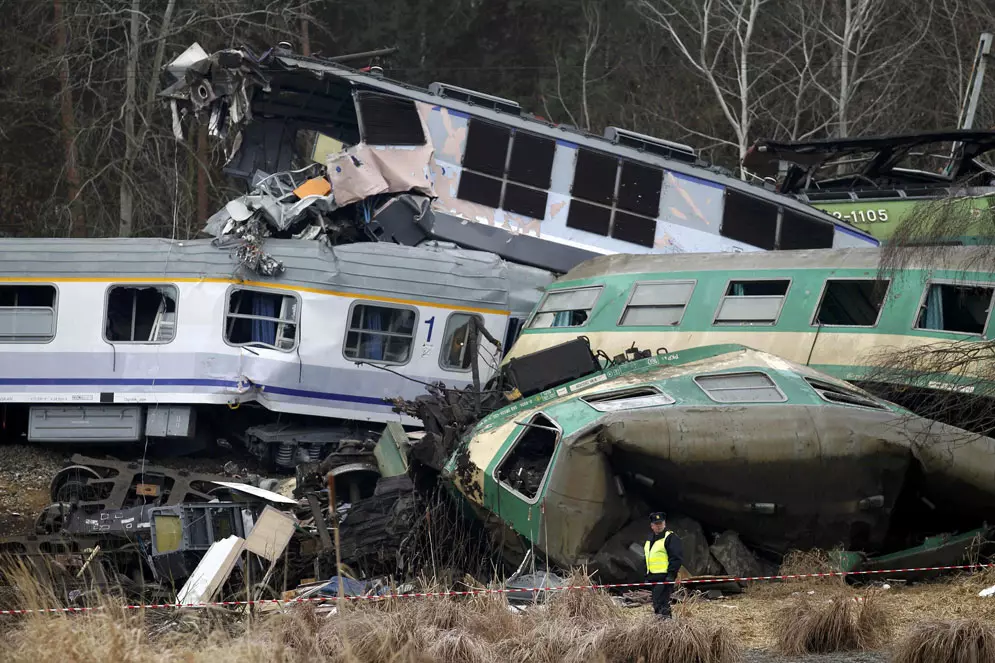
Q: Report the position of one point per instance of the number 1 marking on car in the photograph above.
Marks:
(431, 325)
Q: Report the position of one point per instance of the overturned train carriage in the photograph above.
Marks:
(127, 340)
(732, 437)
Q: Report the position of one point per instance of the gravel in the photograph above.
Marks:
(25, 474)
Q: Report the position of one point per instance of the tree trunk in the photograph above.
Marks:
(202, 174)
(76, 227)
(127, 217)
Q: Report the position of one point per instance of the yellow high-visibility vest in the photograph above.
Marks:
(657, 560)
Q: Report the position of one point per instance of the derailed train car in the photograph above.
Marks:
(732, 437)
(130, 340)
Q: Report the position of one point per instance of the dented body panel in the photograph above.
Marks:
(789, 470)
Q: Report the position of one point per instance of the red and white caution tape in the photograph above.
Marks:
(503, 590)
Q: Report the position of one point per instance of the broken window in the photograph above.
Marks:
(752, 302)
(506, 169)
(630, 193)
(455, 355)
(511, 335)
(524, 468)
(380, 333)
(627, 399)
(27, 313)
(658, 304)
(804, 232)
(389, 120)
(565, 308)
(260, 318)
(851, 302)
(141, 314)
(749, 387)
(834, 394)
(749, 220)
(955, 308)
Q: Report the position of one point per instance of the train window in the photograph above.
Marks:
(834, 394)
(455, 354)
(389, 120)
(261, 318)
(524, 469)
(851, 302)
(749, 387)
(657, 303)
(27, 313)
(804, 232)
(627, 399)
(955, 308)
(379, 333)
(141, 314)
(517, 184)
(752, 302)
(565, 308)
(749, 220)
(511, 335)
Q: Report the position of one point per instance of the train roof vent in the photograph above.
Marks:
(665, 148)
(475, 98)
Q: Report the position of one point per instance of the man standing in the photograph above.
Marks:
(664, 556)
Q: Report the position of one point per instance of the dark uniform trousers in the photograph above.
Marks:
(661, 594)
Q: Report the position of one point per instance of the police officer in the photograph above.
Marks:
(664, 556)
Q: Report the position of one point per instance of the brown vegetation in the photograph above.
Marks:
(578, 626)
(844, 622)
(950, 641)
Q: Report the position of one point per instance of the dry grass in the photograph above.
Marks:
(843, 622)
(580, 627)
(948, 641)
(799, 562)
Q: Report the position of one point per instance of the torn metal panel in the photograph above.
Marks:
(255, 491)
(271, 534)
(212, 572)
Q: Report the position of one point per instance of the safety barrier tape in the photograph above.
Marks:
(514, 590)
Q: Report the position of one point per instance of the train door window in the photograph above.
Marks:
(657, 303)
(955, 308)
(752, 302)
(388, 120)
(141, 314)
(261, 318)
(524, 468)
(506, 169)
(511, 335)
(851, 302)
(565, 308)
(455, 354)
(748, 387)
(749, 220)
(27, 313)
(381, 334)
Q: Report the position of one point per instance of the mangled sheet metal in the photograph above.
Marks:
(734, 438)
(497, 179)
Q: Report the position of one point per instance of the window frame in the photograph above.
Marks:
(780, 308)
(244, 316)
(822, 294)
(664, 398)
(784, 397)
(632, 293)
(600, 287)
(139, 286)
(954, 282)
(55, 311)
(442, 347)
(511, 449)
(372, 302)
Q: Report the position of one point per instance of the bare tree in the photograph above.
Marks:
(716, 37)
